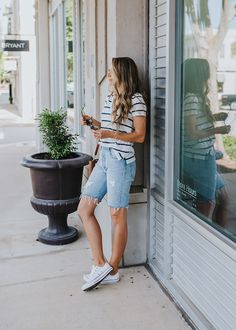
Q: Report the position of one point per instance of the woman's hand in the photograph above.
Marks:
(138, 135)
(85, 120)
(220, 116)
(103, 134)
(222, 129)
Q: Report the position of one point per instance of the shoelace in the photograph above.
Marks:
(97, 270)
(92, 271)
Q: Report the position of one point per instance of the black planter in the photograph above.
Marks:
(56, 189)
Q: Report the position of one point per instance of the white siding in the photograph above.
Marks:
(192, 262)
(158, 82)
(205, 274)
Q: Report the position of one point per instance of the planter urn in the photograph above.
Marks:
(56, 188)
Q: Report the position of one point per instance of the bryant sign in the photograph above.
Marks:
(15, 45)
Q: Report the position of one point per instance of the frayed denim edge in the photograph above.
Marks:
(90, 199)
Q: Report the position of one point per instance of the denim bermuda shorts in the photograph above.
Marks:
(205, 178)
(112, 177)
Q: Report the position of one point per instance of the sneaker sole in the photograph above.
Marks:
(109, 282)
(98, 282)
(105, 280)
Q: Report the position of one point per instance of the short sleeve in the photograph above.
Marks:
(108, 100)
(192, 105)
(139, 107)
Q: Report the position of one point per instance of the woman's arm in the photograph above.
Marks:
(194, 132)
(95, 122)
(138, 135)
(89, 120)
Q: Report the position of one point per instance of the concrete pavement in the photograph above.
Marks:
(14, 127)
(40, 285)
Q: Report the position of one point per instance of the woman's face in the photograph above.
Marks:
(111, 76)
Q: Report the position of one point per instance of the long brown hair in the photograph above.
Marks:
(196, 73)
(127, 84)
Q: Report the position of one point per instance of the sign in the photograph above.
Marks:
(186, 194)
(15, 45)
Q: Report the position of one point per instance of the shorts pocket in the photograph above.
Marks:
(113, 154)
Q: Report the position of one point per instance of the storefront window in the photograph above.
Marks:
(75, 61)
(82, 50)
(55, 62)
(69, 61)
(81, 58)
(206, 152)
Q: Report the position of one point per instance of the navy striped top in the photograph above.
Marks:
(122, 149)
(194, 147)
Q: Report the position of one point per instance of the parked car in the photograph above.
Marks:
(229, 99)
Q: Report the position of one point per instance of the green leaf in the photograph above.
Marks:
(56, 134)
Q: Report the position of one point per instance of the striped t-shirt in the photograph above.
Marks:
(122, 149)
(195, 147)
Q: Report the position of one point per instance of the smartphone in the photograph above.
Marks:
(83, 111)
(94, 127)
(83, 114)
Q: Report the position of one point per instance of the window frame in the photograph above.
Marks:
(58, 60)
(79, 79)
(179, 52)
(57, 54)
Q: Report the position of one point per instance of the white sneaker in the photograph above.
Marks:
(86, 277)
(110, 279)
(96, 276)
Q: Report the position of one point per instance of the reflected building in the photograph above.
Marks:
(19, 65)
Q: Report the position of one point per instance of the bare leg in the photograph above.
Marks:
(119, 219)
(206, 208)
(93, 231)
(220, 211)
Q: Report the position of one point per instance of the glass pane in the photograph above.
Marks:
(69, 62)
(81, 64)
(206, 181)
(55, 62)
(82, 49)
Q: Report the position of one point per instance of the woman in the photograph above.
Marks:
(123, 122)
(199, 135)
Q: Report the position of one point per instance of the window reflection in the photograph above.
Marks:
(82, 51)
(207, 178)
(69, 62)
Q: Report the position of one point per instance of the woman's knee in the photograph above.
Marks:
(118, 215)
(80, 209)
(85, 208)
(222, 196)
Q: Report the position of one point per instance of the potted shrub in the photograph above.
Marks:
(56, 177)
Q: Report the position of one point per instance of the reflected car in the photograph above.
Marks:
(229, 99)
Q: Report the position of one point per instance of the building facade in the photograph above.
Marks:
(18, 51)
(188, 243)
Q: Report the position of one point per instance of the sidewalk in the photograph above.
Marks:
(9, 115)
(40, 285)
(13, 127)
